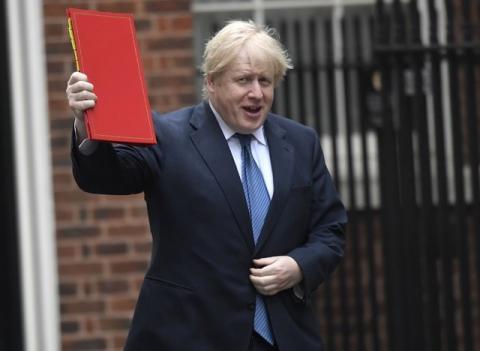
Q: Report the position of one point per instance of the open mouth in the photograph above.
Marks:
(252, 109)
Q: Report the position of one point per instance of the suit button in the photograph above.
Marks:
(251, 306)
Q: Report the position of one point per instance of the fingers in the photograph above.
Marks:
(268, 285)
(80, 94)
(79, 86)
(76, 77)
(274, 274)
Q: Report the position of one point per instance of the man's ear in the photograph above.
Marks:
(209, 81)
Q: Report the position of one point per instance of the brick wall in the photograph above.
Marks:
(103, 241)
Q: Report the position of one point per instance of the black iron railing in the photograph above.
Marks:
(393, 93)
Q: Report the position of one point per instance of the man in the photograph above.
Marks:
(245, 219)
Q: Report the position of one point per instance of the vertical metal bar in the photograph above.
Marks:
(460, 205)
(314, 64)
(460, 208)
(300, 72)
(330, 67)
(388, 179)
(276, 101)
(411, 96)
(442, 227)
(427, 237)
(362, 78)
(473, 144)
(286, 83)
(333, 132)
(406, 284)
(315, 71)
(353, 211)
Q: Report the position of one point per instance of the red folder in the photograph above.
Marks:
(106, 51)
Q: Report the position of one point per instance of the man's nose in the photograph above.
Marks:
(256, 90)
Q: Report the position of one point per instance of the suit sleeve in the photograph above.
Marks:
(324, 248)
(114, 169)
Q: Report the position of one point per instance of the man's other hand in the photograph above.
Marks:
(274, 274)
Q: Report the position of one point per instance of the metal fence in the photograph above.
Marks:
(395, 103)
(392, 91)
(430, 173)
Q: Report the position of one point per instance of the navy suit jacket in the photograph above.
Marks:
(196, 294)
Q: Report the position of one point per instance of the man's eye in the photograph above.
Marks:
(265, 82)
(242, 80)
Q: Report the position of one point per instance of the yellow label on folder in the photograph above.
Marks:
(72, 41)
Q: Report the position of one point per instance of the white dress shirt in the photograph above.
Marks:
(259, 148)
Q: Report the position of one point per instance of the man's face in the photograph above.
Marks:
(243, 94)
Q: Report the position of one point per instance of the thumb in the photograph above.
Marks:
(261, 262)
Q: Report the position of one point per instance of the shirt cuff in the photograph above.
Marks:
(298, 291)
(87, 146)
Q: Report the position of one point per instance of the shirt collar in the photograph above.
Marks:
(229, 132)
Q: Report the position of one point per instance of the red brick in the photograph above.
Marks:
(82, 307)
(123, 304)
(59, 48)
(69, 327)
(58, 85)
(114, 324)
(55, 67)
(80, 269)
(67, 289)
(119, 342)
(61, 161)
(137, 266)
(74, 196)
(108, 213)
(184, 62)
(142, 25)
(64, 215)
(182, 23)
(111, 249)
(143, 247)
(63, 125)
(117, 6)
(112, 286)
(187, 99)
(175, 81)
(66, 251)
(59, 141)
(167, 6)
(99, 277)
(54, 10)
(85, 344)
(139, 211)
(79, 232)
(163, 24)
(55, 30)
(128, 230)
(62, 179)
(59, 105)
(162, 44)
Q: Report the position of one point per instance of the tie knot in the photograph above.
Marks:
(244, 139)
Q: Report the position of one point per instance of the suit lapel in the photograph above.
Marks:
(212, 146)
(281, 157)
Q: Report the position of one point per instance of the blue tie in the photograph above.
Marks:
(258, 201)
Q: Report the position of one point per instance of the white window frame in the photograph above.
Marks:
(33, 175)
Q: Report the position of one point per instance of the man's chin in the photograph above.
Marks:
(249, 128)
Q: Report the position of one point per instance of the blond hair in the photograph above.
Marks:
(223, 48)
